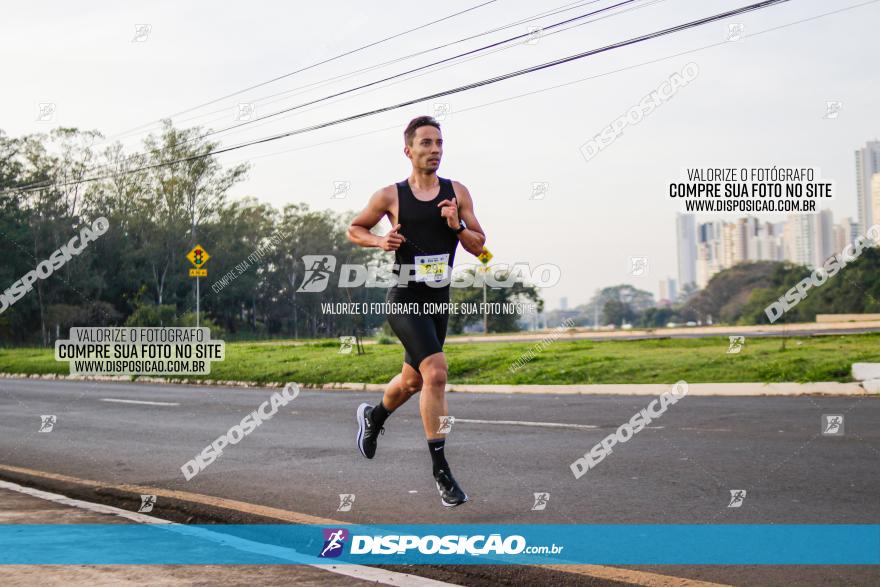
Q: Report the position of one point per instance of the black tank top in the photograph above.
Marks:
(426, 233)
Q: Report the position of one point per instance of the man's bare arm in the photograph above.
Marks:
(359, 230)
(472, 238)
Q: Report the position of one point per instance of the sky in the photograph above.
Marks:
(759, 101)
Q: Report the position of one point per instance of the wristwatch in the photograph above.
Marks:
(461, 226)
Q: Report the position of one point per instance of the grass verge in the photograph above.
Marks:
(766, 360)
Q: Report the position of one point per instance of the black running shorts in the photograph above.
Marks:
(422, 334)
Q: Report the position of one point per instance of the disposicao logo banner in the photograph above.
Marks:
(487, 544)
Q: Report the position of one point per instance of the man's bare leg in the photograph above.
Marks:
(432, 403)
(433, 408)
(404, 385)
(371, 419)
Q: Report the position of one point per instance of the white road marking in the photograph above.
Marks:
(97, 508)
(547, 424)
(134, 401)
(356, 571)
(526, 423)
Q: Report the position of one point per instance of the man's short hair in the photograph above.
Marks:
(410, 132)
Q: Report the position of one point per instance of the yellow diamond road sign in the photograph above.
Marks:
(198, 256)
(485, 256)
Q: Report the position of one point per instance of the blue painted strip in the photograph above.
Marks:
(668, 544)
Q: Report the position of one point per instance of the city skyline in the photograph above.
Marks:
(705, 248)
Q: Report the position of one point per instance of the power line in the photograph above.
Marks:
(749, 8)
(496, 50)
(375, 83)
(485, 82)
(420, 68)
(563, 85)
(557, 10)
(397, 126)
(312, 66)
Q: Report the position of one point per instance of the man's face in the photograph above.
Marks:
(426, 149)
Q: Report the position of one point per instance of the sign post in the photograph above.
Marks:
(198, 257)
(484, 258)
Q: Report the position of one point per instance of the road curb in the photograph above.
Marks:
(706, 389)
(193, 508)
(833, 388)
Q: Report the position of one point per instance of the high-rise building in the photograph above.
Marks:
(753, 239)
(759, 240)
(740, 241)
(709, 251)
(732, 250)
(766, 243)
(800, 239)
(845, 232)
(805, 239)
(875, 201)
(779, 240)
(851, 228)
(824, 231)
(705, 268)
(686, 242)
(563, 303)
(867, 164)
(840, 234)
(668, 290)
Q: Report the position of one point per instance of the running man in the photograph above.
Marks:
(429, 216)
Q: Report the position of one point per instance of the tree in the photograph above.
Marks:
(617, 312)
(517, 292)
(179, 197)
(727, 293)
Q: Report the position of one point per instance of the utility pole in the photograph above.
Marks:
(198, 256)
(485, 308)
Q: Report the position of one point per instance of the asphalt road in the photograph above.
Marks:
(679, 471)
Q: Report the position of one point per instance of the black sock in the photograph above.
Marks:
(438, 458)
(379, 414)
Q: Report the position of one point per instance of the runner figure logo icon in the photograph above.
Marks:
(735, 31)
(47, 423)
(318, 271)
(540, 189)
(346, 500)
(340, 189)
(736, 344)
(246, 111)
(345, 344)
(638, 266)
(446, 423)
(832, 424)
(737, 496)
(45, 111)
(147, 503)
(541, 500)
(832, 109)
(334, 541)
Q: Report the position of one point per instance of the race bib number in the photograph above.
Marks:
(432, 267)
